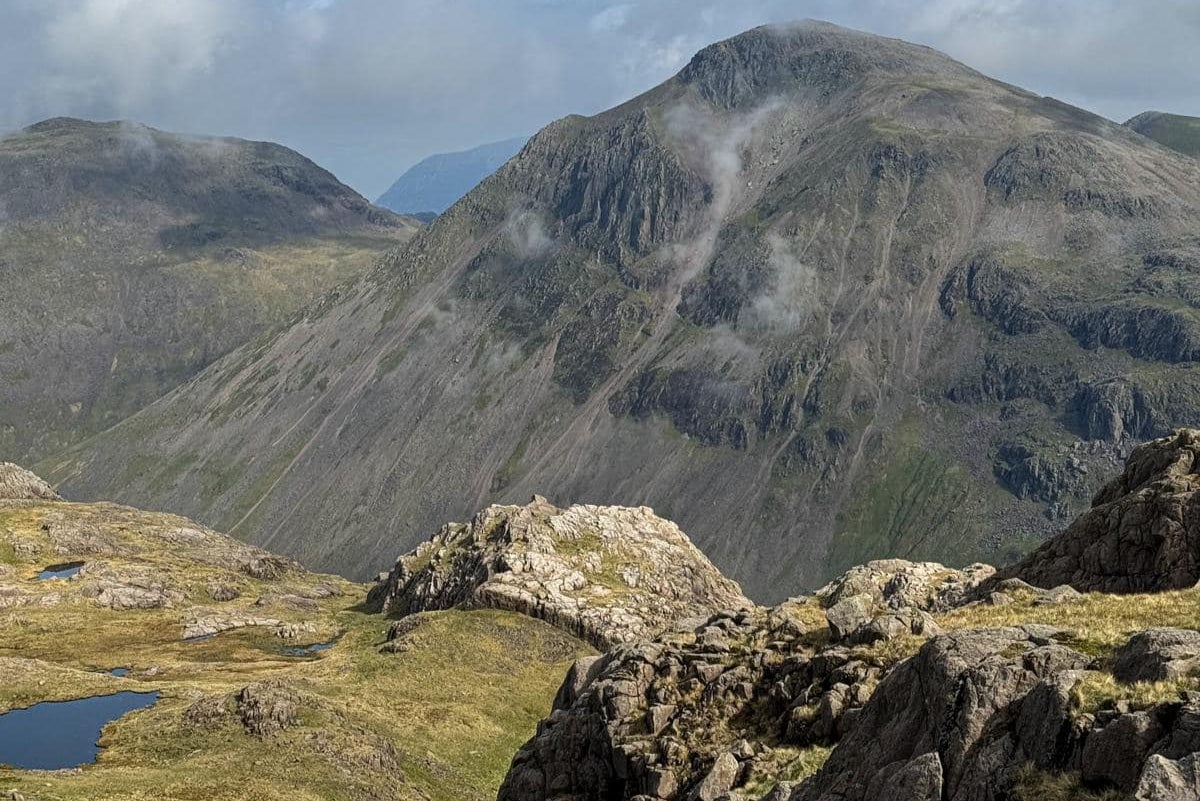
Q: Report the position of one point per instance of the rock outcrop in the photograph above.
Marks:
(18, 484)
(693, 713)
(977, 712)
(741, 699)
(606, 574)
(1142, 533)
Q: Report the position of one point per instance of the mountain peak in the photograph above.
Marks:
(807, 53)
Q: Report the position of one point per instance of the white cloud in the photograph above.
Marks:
(367, 87)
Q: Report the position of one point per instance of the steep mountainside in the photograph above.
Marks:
(819, 297)
(1173, 130)
(435, 183)
(131, 258)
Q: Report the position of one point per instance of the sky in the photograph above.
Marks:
(368, 87)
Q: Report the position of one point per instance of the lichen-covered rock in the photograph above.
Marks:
(267, 708)
(1142, 533)
(604, 573)
(899, 583)
(18, 484)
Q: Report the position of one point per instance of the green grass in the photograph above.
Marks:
(439, 721)
(905, 508)
(1175, 131)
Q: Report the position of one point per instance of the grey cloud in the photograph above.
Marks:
(367, 87)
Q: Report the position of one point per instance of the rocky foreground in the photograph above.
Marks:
(899, 681)
(914, 682)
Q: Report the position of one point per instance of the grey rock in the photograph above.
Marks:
(17, 483)
(849, 614)
(719, 780)
(1165, 779)
(1114, 754)
(607, 574)
(267, 708)
(1157, 654)
(1142, 533)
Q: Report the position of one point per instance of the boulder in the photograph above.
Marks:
(18, 484)
(1142, 533)
(959, 700)
(267, 708)
(899, 583)
(606, 574)
(1165, 779)
(1158, 654)
(849, 614)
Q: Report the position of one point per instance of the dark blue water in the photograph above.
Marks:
(60, 571)
(306, 650)
(119, 672)
(62, 734)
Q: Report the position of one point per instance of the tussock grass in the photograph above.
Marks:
(439, 721)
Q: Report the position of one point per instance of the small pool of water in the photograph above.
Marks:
(308, 650)
(120, 673)
(64, 571)
(54, 735)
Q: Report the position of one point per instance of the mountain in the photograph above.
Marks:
(819, 297)
(1172, 130)
(434, 184)
(131, 258)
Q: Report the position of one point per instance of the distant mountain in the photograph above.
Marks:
(131, 258)
(1172, 130)
(822, 296)
(434, 184)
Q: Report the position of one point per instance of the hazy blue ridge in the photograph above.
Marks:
(435, 183)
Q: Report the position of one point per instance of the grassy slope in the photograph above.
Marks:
(1175, 131)
(439, 721)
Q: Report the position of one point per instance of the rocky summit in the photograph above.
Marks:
(821, 297)
(1141, 534)
(898, 680)
(606, 574)
(901, 681)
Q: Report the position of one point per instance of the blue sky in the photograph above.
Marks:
(367, 87)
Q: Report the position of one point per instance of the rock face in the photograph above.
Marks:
(17, 484)
(815, 295)
(693, 713)
(1142, 533)
(727, 702)
(606, 574)
(973, 709)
